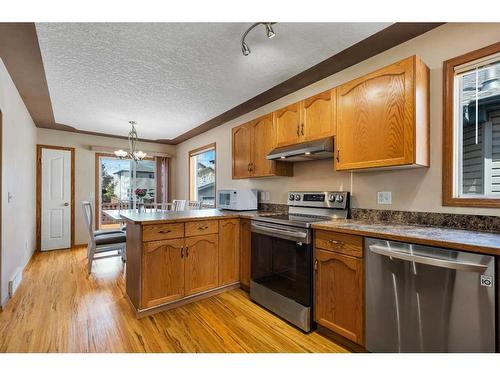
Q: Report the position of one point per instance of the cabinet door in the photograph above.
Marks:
(318, 115)
(163, 272)
(339, 299)
(242, 151)
(245, 248)
(229, 251)
(263, 141)
(201, 263)
(288, 125)
(375, 119)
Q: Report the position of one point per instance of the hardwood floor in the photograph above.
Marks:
(59, 308)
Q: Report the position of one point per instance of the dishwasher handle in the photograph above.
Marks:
(443, 263)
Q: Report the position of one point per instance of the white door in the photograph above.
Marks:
(56, 199)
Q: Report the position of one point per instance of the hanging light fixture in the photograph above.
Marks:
(132, 153)
(269, 33)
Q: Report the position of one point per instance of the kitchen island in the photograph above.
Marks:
(177, 257)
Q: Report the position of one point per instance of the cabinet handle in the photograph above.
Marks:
(338, 155)
(298, 130)
(316, 265)
(334, 242)
(302, 129)
(164, 231)
(248, 168)
(203, 228)
(182, 251)
(187, 251)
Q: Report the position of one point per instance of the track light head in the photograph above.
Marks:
(269, 31)
(244, 49)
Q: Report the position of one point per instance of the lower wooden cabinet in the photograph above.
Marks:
(339, 294)
(229, 251)
(245, 249)
(201, 263)
(164, 264)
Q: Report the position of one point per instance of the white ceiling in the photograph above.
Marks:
(172, 77)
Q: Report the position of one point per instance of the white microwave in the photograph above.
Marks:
(237, 199)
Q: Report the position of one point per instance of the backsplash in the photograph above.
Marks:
(273, 207)
(455, 221)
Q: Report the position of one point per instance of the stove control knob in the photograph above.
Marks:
(291, 197)
(340, 198)
(331, 197)
(297, 197)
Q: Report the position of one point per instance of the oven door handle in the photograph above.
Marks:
(431, 261)
(272, 230)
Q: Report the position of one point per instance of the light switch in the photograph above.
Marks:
(384, 197)
(10, 197)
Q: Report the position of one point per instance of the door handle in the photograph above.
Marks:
(422, 259)
(66, 204)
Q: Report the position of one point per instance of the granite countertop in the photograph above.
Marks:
(482, 242)
(188, 215)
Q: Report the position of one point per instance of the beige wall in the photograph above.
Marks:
(85, 165)
(415, 189)
(18, 215)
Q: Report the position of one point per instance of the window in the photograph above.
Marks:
(202, 175)
(471, 141)
(117, 185)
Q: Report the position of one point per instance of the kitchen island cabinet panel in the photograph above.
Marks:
(229, 251)
(201, 263)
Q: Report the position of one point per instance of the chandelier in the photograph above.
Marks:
(132, 153)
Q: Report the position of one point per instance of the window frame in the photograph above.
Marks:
(197, 151)
(449, 134)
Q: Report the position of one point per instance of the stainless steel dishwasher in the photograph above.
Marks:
(427, 299)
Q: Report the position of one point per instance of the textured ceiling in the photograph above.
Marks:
(171, 77)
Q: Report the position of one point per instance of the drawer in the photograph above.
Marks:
(343, 243)
(162, 231)
(197, 228)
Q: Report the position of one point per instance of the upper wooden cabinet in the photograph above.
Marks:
(383, 118)
(318, 114)
(310, 119)
(251, 144)
(242, 156)
(289, 126)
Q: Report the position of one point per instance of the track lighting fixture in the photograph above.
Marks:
(269, 33)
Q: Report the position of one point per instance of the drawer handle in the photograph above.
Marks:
(335, 242)
(164, 231)
(203, 228)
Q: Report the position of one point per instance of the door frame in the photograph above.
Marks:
(39, 148)
(1, 198)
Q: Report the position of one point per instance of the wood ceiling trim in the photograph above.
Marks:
(20, 52)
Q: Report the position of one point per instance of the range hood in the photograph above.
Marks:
(321, 149)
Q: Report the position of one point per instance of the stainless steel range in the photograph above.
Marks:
(282, 253)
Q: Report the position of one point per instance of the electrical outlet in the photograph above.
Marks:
(384, 197)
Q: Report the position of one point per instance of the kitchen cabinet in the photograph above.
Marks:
(242, 156)
(339, 284)
(229, 251)
(163, 263)
(383, 118)
(289, 126)
(201, 263)
(251, 144)
(245, 252)
(318, 113)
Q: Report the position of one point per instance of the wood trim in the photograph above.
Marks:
(197, 151)
(448, 198)
(39, 148)
(25, 66)
(1, 198)
(97, 206)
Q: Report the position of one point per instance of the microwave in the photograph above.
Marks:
(237, 199)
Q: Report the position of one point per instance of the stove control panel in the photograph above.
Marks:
(322, 199)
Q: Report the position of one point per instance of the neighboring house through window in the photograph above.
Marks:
(202, 175)
(472, 129)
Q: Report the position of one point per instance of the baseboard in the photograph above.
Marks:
(28, 264)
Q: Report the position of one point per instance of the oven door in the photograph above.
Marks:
(282, 261)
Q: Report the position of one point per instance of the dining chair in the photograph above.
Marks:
(102, 241)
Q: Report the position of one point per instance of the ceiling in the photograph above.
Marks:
(172, 77)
